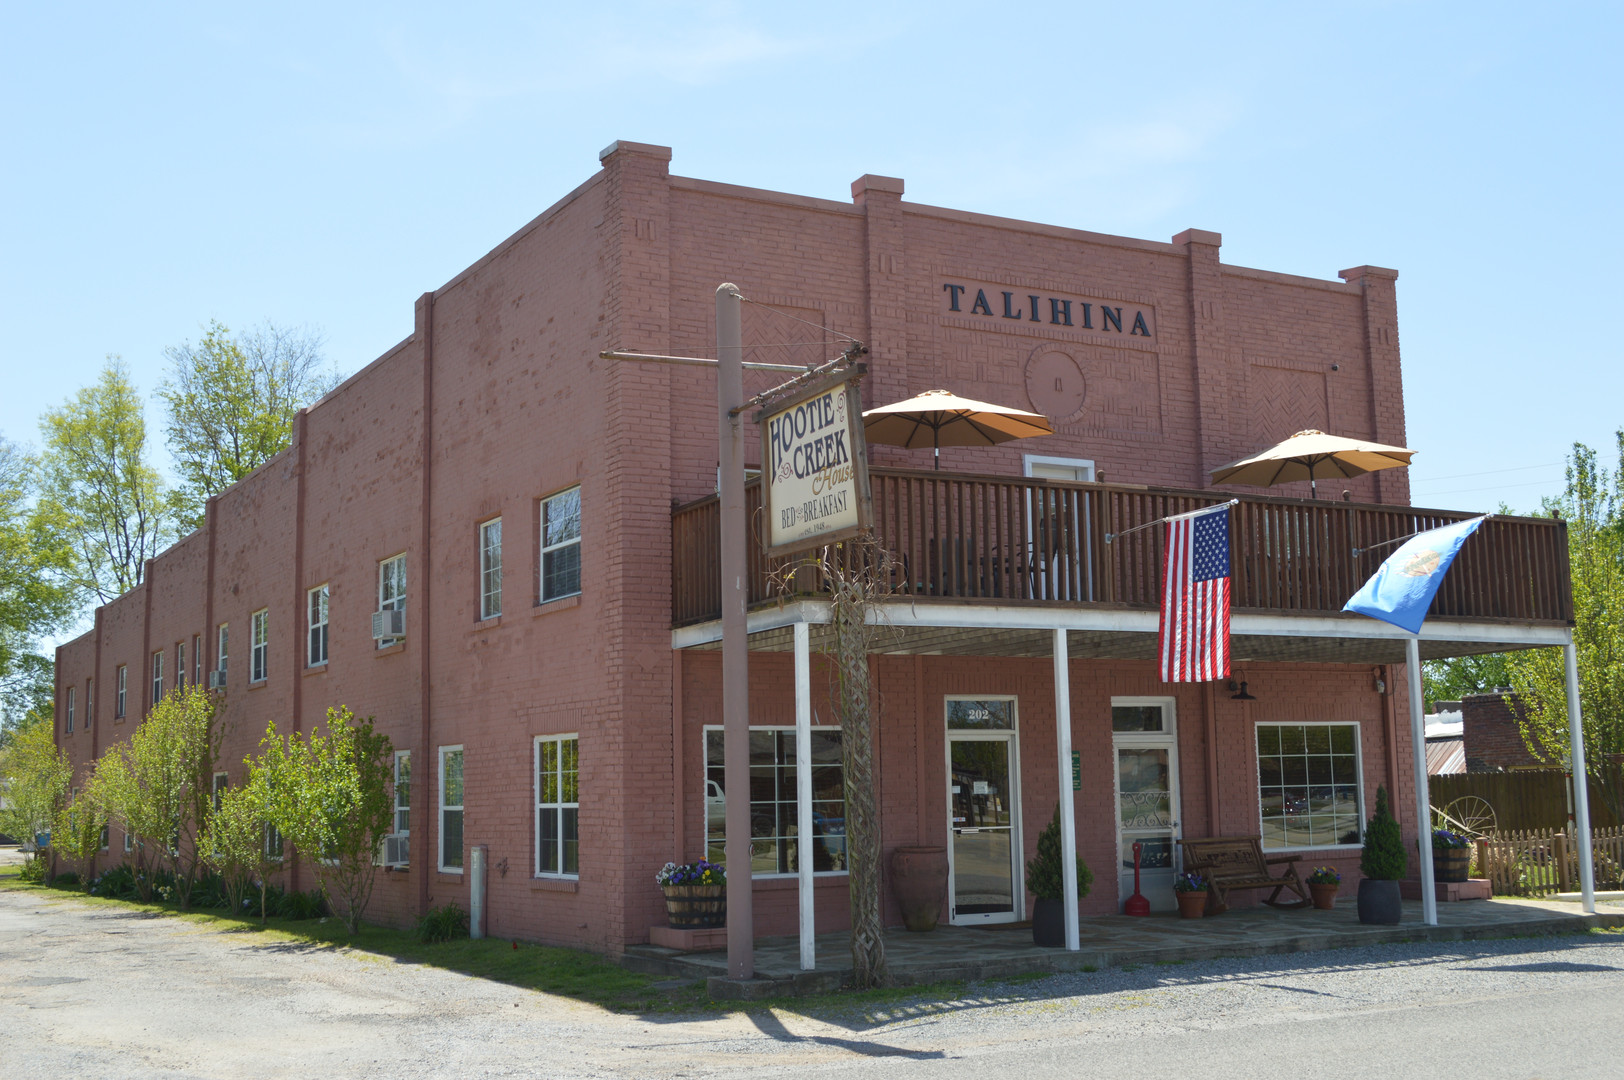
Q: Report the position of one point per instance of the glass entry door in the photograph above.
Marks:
(1143, 742)
(982, 804)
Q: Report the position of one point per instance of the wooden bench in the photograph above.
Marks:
(1238, 862)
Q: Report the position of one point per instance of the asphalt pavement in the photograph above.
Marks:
(103, 991)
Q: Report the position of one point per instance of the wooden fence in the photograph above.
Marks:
(1539, 863)
(1527, 800)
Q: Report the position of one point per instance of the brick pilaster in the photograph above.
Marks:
(1386, 380)
(1215, 388)
(880, 198)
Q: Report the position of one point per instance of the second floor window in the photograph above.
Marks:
(490, 569)
(123, 683)
(70, 709)
(197, 660)
(259, 646)
(220, 648)
(317, 604)
(180, 663)
(561, 545)
(391, 591)
(157, 677)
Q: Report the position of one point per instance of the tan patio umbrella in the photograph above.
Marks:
(1309, 455)
(939, 418)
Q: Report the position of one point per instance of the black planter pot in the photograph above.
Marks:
(1049, 923)
(1379, 902)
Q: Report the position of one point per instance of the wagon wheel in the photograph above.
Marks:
(1469, 815)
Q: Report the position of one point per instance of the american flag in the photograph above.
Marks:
(1193, 634)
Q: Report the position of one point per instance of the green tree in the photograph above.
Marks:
(1451, 680)
(230, 403)
(330, 795)
(159, 781)
(81, 820)
(1593, 506)
(234, 841)
(98, 489)
(37, 779)
(35, 598)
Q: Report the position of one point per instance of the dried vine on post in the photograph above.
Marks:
(854, 574)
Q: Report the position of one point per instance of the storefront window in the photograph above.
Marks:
(1309, 792)
(774, 832)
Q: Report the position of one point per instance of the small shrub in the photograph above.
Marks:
(445, 923)
(67, 879)
(1043, 872)
(303, 905)
(33, 871)
(117, 883)
(1384, 857)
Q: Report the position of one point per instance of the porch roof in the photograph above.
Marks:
(924, 627)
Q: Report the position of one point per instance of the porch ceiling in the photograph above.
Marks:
(980, 630)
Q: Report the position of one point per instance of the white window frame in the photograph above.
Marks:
(316, 639)
(490, 568)
(389, 599)
(1081, 464)
(197, 661)
(69, 710)
(403, 809)
(222, 641)
(90, 702)
(274, 851)
(259, 646)
(157, 676)
(220, 783)
(129, 841)
(704, 738)
(180, 664)
(559, 805)
(1359, 783)
(550, 549)
(458, 808)
(123, 685)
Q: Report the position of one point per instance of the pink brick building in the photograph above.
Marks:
(1157, 362)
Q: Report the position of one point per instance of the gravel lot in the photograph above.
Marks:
(98, 991)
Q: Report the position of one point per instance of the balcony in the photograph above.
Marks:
(1001, 541)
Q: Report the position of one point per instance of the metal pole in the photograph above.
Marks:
(805, 839)
(741, 963)
(1423, 801)
(1581, 781)
(1068, 811)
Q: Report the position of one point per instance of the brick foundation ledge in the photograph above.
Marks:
(1472, 889)
(703, 940)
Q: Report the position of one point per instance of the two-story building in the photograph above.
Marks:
(503, 548)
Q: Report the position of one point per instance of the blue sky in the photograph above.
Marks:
(323, 166)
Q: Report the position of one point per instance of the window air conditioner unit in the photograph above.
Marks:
(217, 679)
(396, 850)
(388, 624)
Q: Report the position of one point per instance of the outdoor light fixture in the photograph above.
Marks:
(1242, 695)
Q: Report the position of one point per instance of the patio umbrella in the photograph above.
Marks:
(1309, 455)
(939, 418)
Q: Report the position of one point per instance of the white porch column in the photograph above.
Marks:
(804, 838)
(1423, 800)
(1581, 781)
(1068, 812)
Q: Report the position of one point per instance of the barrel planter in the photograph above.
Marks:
(695, 907)
(919, 882)
(1379, 902)
(1451, 864)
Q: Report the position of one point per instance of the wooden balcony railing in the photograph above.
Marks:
(1028, 541)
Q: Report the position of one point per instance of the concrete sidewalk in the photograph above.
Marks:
(956, 953)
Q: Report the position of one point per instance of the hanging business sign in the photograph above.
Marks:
(814, 467)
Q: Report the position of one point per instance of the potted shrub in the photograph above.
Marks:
(695, 894)
(1383, 863)
(1451, 855)
(1191, 890)
(1323, 884)
(1044, 882)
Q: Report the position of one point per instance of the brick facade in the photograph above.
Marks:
(1493, 739)
(499, 399)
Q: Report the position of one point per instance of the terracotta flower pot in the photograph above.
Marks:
(1192, 905)
(1324, 894)
(919, 882)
